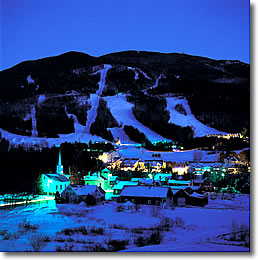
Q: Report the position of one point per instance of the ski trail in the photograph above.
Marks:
(94, 98)
(180, 119)
(119, 132)
(34, 132)
(121, 110)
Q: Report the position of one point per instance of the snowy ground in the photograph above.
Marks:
(184, 156)
(121, 109)
(118, 132)
(88, 226)
(180, 119)
(94, 98)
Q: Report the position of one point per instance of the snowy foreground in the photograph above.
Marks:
(69, 227)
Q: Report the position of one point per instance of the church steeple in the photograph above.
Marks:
(59, 167)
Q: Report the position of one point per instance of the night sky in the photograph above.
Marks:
(32, 29)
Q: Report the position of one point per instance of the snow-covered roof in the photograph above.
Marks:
(162, 176)
(145, 191)
(128, 203)
(84, 189)
(120, 185)
(142, 180)
(179, 182)
(105, 170)
(57, 177)
(176, 188)
(113, 178)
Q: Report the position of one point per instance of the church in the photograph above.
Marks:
(53, 182)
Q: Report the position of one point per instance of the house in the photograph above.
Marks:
(154, 165)
(150, 195)
(120, 185)
(207, 185)
(130, 164)
(162, 178)
(185, 197)
(143, 181)
(77, 193)
(101, 179)
(55, 182)
(113, 180)
(179, 183)
(180, 170)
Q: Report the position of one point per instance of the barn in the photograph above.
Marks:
(77, 193)
(150, 195)
(185, 197)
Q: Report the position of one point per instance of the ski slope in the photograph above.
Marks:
(94, 99)
(121, 110)
(187, 120)
(119, 132)
(183, 156)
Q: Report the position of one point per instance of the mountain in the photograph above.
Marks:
(75, 97)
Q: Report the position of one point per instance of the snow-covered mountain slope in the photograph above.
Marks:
(121, 110)
(119, 132)
(78, 136)
(94, 98)
(184, 156)
(189, 119)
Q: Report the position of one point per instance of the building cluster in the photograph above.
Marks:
(160, 188)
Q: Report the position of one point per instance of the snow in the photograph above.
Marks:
(180, 119)
(34, 122)
(121, 110)
(41, 98)
(16, 140)
(144, 74)
(94, 98)
(183, 156)
(119, 132)
(199, 231)
(136, 73)
(145, 191)
(30, 80)
(156, 82)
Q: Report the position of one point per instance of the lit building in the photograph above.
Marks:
(55, 182)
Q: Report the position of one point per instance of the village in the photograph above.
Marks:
(149, 203)
(153, 180)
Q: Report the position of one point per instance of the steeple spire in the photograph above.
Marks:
(59, 167)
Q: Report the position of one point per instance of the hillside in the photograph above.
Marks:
(165, 96)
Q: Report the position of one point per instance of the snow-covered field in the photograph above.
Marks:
(93, 228)
(189, 119)
(184, 156)
(121, 110)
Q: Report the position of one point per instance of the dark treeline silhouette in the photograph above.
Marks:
(21, 168)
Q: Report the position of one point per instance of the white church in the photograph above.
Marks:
(53, 182)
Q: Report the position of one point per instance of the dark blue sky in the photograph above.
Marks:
(32, 29)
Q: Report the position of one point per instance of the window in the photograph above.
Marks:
(149, 202)
(56, 187)
(157, 202)
(60, 187)
(133, 200)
